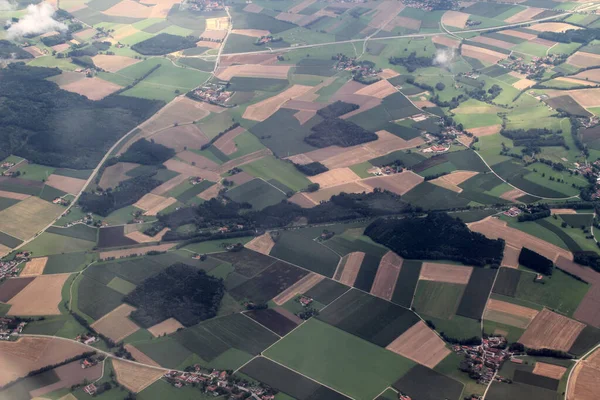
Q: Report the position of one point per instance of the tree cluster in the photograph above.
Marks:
(572, 35)
(147, 152)
(9, 50)
(338, 132)
(164, 43)
(537, 262)
(412, 62)
(311, 169)
(337, 109)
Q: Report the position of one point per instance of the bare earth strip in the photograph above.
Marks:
(34, 267)
(387, 73)
(512, 195)
(577, 82)
(11, 195)
(300, 287)
(562, 211)
(493, 228)
(254, 71)
(352, 267)
(379, 89)
(302, 200)
(190, 170)
(327, 193)
(264, 109)
(251, 32)
(248, 158)
(226, 142)
(262, 244)
(420, 344)
(523, 84)
(455, 19)
(301, 6)
(510, 258)
(588, 310)
(445, 273)
(583, 60)
(135, 251)
(253, 8)
(586, 97)
(446, 41)
(551, 331)
(65, 183)
(386, 11)
(135, 377)
(552, 27)
(458, 177)
(41, 297)
(139, 356)
(211, 192)
(180, 137)
(116, 324)
(168, 326)
(180, 110)
(549, 370)
(525, 15)
(510, 314)
(334, 177)
(159, 207)
(584, 383)
(92, 88)
(482, 54)
(170, 184)
(387, 275)
(143, 238)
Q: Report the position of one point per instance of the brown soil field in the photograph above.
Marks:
(551, 331)
(139, 356)
(522, 35)
(85, 34)
(303, 105)
(387, 275)
(301, 6)
(27, 217)
(301, 159)
(465, 140)
(494, 228)
(142, 238)
(261, 244)
(197, 160)
(334, 177)
(116, 324)
(420, 344)
(34, 267)
(327, 193)
(134, 251)
(494, 42)
(384, 13)
(27, 354)
(113, 63)
(210, 34)
(578, 82)
(485, 130)
(543, 42)
(10, 287)
(217, 24)
(445, 184)
(181, 110)
(122, 33)
(209, 44)
(512, 195)
(159, 207)
(11, 195)
(351, 268)
(264, 109)
(485, 109)
(129, 8)
(211, 192)
(226, 142)
(586, 97)
(69, 374)
(254, 71)
(365, 103)
(552, 27)
(289, 315)
(481, 54)
(168, 326)
(525, 15)
(583, 60)
(510, 258)
(4, 250)
(248, 158)
(240, 178)
(256, 59)
(59, 48)
(251, 32)
(116, 174)
(591, 75)
(135, 377)
(92, 88)
(404, 22)
(446, 41)
(455, 19)
(379, 89)
(34, 51)
(41, 297)
(448, 273)
(424, 104)
(387, 73)
(302, 200)
(349, 87)
(397, 183)
(509, 314)
(562, 211)
(190, 170)
(170, 184)
(161, 8)
(588, 310)
(549, 370)
(149, 201)
(253, 8)
(181, 137)
(458, 177)
(584, 383)
(523, 84)
(300, 287)
(65, 183)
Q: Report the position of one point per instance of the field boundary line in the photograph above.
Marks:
(582, 358)
(256, 322)
(382, 392)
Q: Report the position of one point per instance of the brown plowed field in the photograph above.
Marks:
(588, 310)
(34, 267)
(583, 60)
(562, 211)
(181, 137)
(69, 374)
(552, 27)
(251, 32)
(142, 238)
(116, 324)
(211, 192)
(261, 244)
(254, 71)
(247, 59)
(170, 184)
(364, 102)
(494, 42)
(523, 84)
(301, 6)
(65, 183)
(512, 195)
(446, 41)
(139, 356)
(27, 354)
(11, 195)
(509, 314)
(11, 287)
(302, 200)
(458, 177)
(149, 201)
(351, 268)
(135, 377)
(304, 116)
(334, 177)
(180, 110)
(301, 105)
(327, 193)
(379, 89)
(159, 207)
(226, 142)
(482, 54)
(387, 73)
(134, 251)
(485, 130)
(240, 178)
(511, 257)
(400, 183)
(445, 273)
(405, 22)
(420, 344)
(40, 297)
(113, 63)
(129, 8)
(264, 109)
(116, 174)
(494, 228)
(577, 82)
(549, 370)
(525, 15)
(300, 287)
(387, 275)
(584, 383)
(168, 326)
(586, 97)
(248, 158)
(92, 88)
(384, 13)
(591, 74)
(455, 19)
(190, 170)
(551, 331)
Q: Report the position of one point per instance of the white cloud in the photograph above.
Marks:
(443, 57)
(6, 5)
(38, 20)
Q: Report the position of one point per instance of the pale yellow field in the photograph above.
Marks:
(251, 32)
(65, 183)
(525, 15)
(134, 251)
(41, 297)
(262, 244)
(448, 273)
(455, 19)
(485, 130)
(446, 41)
(523, 84)
(379, 90)
(552, 27)
(300, 287)
(143, 238)
(34, 267)
(420, 344)
(550, 330)
(387, 73)
(549, 370)
(129, 8)
(351, 268)
(482, 54)
(113, 63)
(254, 71)
(92, 88)
(166, 327)
(334, 177)
(135, 377)
(12, 195)
(116, 324)
(264, 109)
(28, 217)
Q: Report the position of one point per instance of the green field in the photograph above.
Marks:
(363, 372)
(437, 299)
(270, 167)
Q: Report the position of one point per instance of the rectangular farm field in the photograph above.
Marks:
(507, 282)
(407, 283)
(476, 293)
(296, 248)
(113, 236)
(273, 320)
(327, 291)
(426, 384)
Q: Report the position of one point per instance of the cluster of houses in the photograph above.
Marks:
(266, 39)
(430, 5)
(7, 165)
(436, 149)
(205, 5)
(536, 66)
(88, 362)
(213, 93)
(86, 338)
(10, 327)
(512, 212)
(195, 180)
(386, 170)
(483, 361)
(218, 383)
(10, 268)
(61, 201)
(362, 71)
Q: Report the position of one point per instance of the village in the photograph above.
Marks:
(482, 361)
(213, 93)
(10, 268)
(532, 69)
(204, 5)
(362, 71)
(11, 327)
